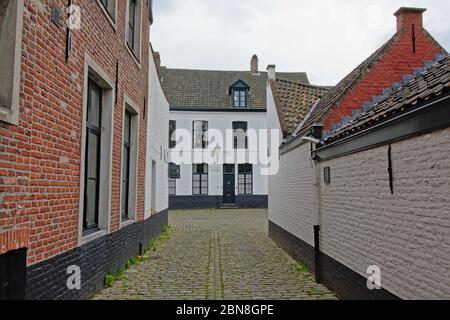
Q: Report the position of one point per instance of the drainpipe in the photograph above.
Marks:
(315, 142)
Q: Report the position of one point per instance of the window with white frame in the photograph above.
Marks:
(245, 179)
(200, 179)
(200, 135)
(129, 162)
(240, 139)
(11, 25)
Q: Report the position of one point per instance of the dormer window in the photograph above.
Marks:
(239, 93)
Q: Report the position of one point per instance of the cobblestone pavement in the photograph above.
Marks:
(217, 254)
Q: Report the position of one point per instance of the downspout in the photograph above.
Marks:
(315, 142)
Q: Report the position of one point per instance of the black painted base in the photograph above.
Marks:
(216, 202)
(47, 280)
(346, 283)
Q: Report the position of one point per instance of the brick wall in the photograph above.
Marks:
(407, 234)
(40, 158)
(399, 60)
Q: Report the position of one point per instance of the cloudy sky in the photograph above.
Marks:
(326, 38)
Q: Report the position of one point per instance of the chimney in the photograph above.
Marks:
(409, 18)
(157, 58)
(271, 73)
(254, 64)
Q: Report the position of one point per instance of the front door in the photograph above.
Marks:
(13, 275)
(229, 183)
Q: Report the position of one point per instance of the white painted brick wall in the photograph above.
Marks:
(157, 143)
(407, 234)
(291, 194)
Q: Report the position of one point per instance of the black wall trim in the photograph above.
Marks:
(346, 283)
(211, 202)
(426, 118)
(47, 280)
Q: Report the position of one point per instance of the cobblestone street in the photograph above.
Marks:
(216, 254)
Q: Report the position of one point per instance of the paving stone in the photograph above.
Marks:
(216, 254)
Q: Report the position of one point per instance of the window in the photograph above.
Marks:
(172, 187)
(240, 135)
(245, 179)
(126, 164)
(200, 179)
(133, 27)
(129, 160)
(92, 157)
(11, 23)
(110, 8)
(172, 138)
(239, 93)
(240, 98)
(174, 171)
(200, 136)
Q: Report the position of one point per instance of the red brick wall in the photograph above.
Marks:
(398, 61)
(40, 158)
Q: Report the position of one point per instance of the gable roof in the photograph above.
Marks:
(209, 89)
(337, 93)
(294, 101)
(433, 82)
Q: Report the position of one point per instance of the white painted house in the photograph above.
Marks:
(156, 184)
(233, 102)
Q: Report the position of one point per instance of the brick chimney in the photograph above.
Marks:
(409, 17)
(254, 64)
(157, 58)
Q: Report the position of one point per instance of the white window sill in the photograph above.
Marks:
(93, 236)
(126, 223)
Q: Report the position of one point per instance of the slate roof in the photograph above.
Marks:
(429, 84)
(208, 89)
(337, 93)
(294, 101)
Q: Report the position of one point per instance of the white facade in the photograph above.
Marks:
(156, 182)
(219, 121)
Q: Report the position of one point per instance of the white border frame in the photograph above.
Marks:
(137, 60)
(92, 68)
(11, 115)
(136, 120)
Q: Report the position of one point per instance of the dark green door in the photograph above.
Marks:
(229, 184)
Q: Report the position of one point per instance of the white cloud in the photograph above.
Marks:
(326, 38)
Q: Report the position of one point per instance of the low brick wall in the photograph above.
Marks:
(47, 279)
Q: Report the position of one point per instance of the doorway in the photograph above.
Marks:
(229, 183)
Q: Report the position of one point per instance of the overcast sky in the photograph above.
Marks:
(325, 38)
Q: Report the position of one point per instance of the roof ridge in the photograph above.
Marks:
(306, 84)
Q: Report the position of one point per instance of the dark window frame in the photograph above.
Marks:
(240, 125)
(205, 126)
(201, 176)
(244, 171)
(242, 101)
(126, 172)
(96, 131)
(172, 130)
(132, 6)
(105, 4)
(174, 187)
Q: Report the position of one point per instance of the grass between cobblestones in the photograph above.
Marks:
(110, 279)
